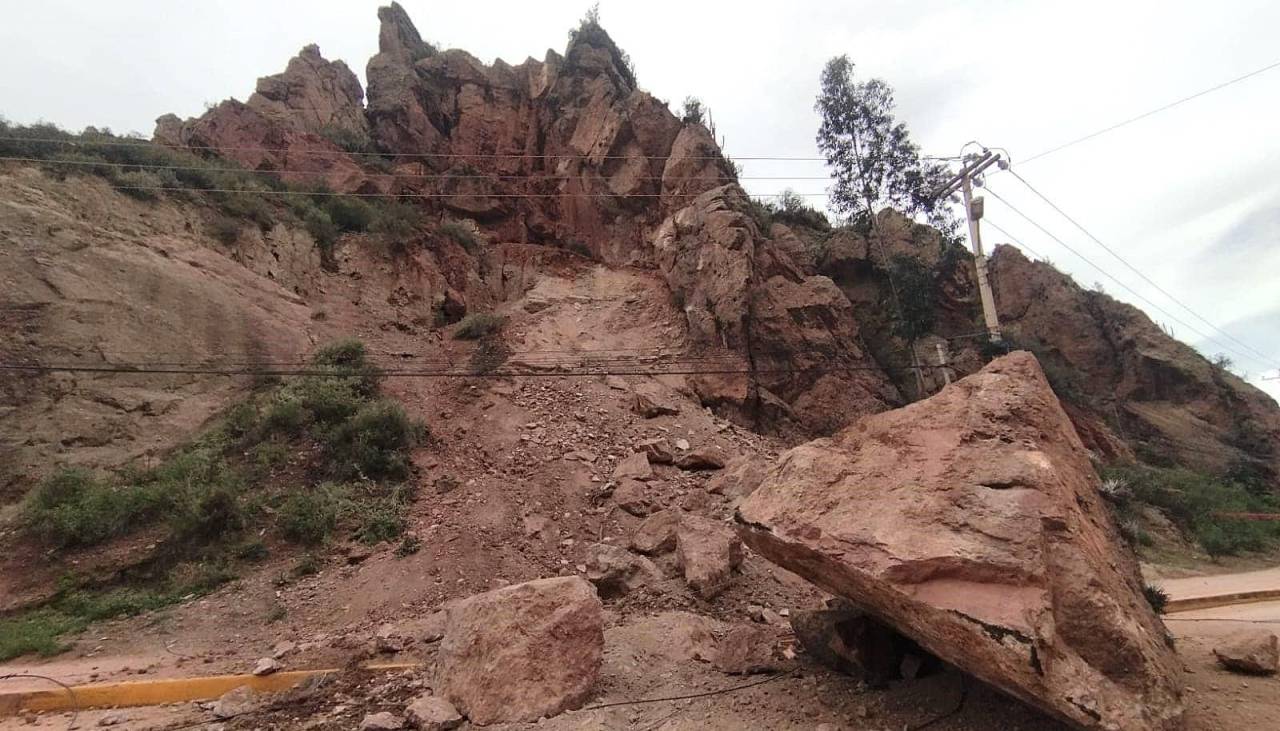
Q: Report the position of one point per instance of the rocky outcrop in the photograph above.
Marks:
(522, 652)
(971, 523)
(1164, 396)
(287, 126)
(796, 336)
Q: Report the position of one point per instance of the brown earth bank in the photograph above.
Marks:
(607, 234)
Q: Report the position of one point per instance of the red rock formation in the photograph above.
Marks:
(1163, 395)
(971, 523)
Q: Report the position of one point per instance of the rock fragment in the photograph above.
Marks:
(634, 467)
(657, 534)
(1251, 652)
(522, 652)
(616, 571)
(383, 721)
(433, 713)
(708, 552)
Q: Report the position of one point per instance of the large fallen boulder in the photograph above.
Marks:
(522, 652)
(971, 522)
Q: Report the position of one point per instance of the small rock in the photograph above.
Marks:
(111, 719)
(1253, 652)
(740, 478)
(282, 649)
(648, 407)
(388, 639)
(384, 721)
(700, 459)
(433, 626)
(682, 445)
(267, 666)
(616, 571)
(616, 383)
(748, 649)
(634, 467)
(708, 552)
(657, 534)
(633, 497)
(433, 713)
(534, 525)
(234, 703)
(658, 450)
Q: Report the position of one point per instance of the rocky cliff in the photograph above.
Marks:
(568, 152)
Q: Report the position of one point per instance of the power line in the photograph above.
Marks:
(415, 176)
(422, 155)
(1144, 115)
(587, 371)
(1139, 272)
(1104, 272)
(327, 193)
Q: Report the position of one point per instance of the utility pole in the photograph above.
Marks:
(963, 182)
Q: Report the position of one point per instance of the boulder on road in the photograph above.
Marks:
(522, 652)
(1254, 653)
(708, 552)
(971, 523)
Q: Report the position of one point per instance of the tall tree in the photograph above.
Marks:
(871, 155)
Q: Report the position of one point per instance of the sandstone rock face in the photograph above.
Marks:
(708, 553)
(522, 652)
(743, 296)
(1254, 653)
(279, 128)
(1164, 392)
(971, 523)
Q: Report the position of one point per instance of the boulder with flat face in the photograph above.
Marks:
(1254, 653)
(522, 652)
(971, 523)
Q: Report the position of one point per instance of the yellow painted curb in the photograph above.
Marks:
(160, 691)
(1220, 600)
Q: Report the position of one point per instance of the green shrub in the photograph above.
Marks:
(350, 214)
(459, 233)
(225, 229)
(1195, 501)
(310, 517)
(374, 443)
(322, 229)
(248, 206)
(1158, 598)
(396, 221)
(141, 184)
(478, 325)
(380, 522)
(354, 141)
(73, 508)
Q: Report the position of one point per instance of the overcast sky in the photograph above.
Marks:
(1191, 196)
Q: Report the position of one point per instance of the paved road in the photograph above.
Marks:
(1202, 586)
